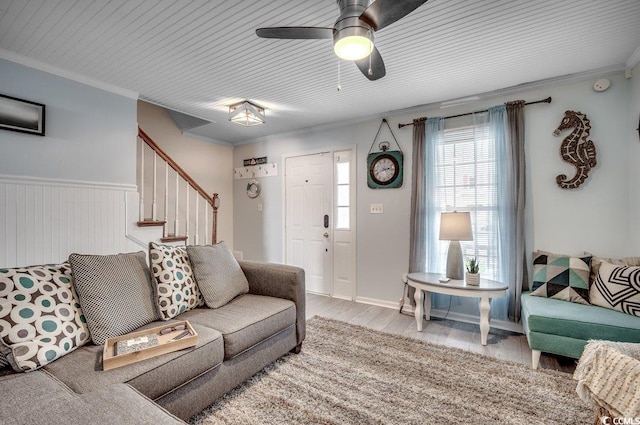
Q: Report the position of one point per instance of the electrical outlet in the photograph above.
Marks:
(376, 209)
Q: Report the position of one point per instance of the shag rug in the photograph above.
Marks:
(348, 374)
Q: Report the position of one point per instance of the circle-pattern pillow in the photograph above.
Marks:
(40, 317)
(176, 288)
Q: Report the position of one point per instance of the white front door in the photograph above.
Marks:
(308, 218)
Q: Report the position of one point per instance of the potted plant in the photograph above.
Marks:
(472, 276)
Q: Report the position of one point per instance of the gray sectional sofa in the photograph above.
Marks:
(235, 341)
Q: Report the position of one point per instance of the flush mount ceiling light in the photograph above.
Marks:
(246, 113)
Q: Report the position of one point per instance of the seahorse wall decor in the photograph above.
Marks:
(576, 148)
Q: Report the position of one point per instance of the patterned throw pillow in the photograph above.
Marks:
(561, 277)
(176, 288)
(40, 318)
(596, 261)
(218, 274)
(618, 288)
(115, 292)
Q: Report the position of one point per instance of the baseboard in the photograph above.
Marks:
(379, 303)
(342, 297)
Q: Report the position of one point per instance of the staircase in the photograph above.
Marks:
(170, 200)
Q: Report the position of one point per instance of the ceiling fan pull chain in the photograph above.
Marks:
(338, 87)
(370, 54)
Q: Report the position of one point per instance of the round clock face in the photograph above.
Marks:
(384, 169)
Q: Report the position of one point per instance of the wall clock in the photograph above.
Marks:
(253, 188)
(385, 168)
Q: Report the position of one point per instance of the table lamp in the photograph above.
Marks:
(455, 227)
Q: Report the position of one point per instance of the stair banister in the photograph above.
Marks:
(213, 201)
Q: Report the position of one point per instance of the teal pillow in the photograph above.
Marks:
(561, 277)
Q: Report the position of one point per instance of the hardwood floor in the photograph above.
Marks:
(501, 344)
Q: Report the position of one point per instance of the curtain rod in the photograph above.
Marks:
(547, 100)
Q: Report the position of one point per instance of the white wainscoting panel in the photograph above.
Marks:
(43, 221)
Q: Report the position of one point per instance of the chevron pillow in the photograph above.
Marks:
(618, 288)
(561, 277)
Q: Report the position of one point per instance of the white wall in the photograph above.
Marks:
(90, 133)
(65, 192)
(209, 164)
(594, 217)
(634, 168)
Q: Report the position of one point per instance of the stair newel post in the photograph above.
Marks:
(155, 185)
(166, 197)
(141, 211)
(197, 221)
(214, 224)
(186, 221)
(206, 222)
(177, 202)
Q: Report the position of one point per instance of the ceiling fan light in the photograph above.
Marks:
(353, 43)
(247, 114)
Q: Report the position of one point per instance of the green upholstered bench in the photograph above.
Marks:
(563, 328)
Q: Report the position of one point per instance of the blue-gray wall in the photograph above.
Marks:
(90, 133)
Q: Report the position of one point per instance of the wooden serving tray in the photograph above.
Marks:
(111, 360)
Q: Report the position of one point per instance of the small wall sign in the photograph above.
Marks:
(254, 161)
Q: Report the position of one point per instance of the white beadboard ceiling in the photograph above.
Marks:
(197, 57)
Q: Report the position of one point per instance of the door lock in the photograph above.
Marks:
(326, 235)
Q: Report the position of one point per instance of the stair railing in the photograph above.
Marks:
(207, 208)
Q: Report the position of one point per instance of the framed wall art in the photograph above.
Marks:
(21, 115)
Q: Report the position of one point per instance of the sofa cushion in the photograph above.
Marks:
(617, 288)
(246, 321)
(115, 293)
(154, 377)
(175, 285)
(217, 273)
(40, 318)
(38, 398)
(561, 277)
(549, 316)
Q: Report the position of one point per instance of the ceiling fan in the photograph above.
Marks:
(353, 32)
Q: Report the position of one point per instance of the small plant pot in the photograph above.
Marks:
(472, 279)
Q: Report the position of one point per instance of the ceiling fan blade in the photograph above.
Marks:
(295, 32)
(377, 65)
(382, 13)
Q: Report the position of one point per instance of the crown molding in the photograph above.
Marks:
(507, 91)
(69, 75)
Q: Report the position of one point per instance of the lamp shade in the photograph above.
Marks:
(455, 226)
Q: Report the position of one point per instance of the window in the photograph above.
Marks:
(465, 167)
(342, 191)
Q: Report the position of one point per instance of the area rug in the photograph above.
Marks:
(348, 374)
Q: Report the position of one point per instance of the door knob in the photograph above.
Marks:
(326, 235)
